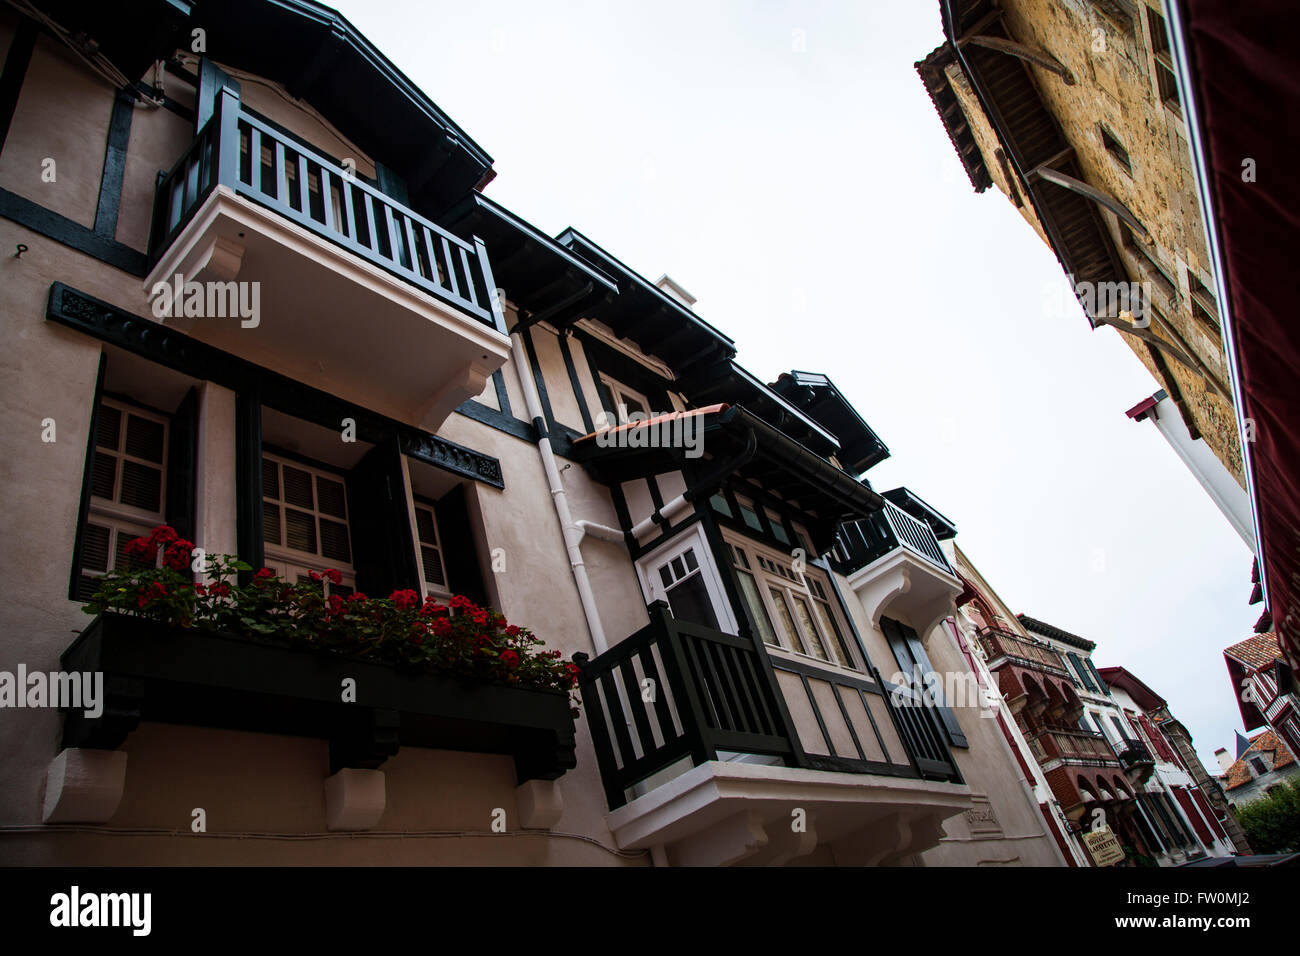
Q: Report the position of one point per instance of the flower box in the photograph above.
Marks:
(366, 709)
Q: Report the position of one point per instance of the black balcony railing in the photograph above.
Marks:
(862, 541)
(676, 689)
(237, 150)
(1133, 753)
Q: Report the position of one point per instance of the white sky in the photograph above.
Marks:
(813, 203)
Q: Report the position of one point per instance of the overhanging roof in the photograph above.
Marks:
(816, 394)
(1050, 630)
(1142, 695)
(533, 270)
(1239, 80)
(822, 493)
(648, 316)
(726, 382)
(1031, 137)
(932, 73)
(324, 60)
(131, 43)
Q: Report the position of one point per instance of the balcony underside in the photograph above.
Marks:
(905, 585)
(727, 813)
(326, 316)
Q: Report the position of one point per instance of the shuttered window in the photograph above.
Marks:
(304, 520)
(432, 565)
(128, 487)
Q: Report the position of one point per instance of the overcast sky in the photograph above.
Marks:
(812, 202)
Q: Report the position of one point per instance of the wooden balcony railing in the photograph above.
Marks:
(1072, 745)
(862, 541)
(1133, 753)
(677, 689)
(237, 150)
(1000, 642)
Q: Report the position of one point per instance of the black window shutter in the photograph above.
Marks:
(211, 79)
(182, 464)
(391, 184)
(1079, 669)
(379, 523)
(463, 570)
(907, 648)
(80, 586)
(1101, 684)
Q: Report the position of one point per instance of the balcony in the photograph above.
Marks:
(169, 674)
(352, 288)
(1072, 746)
(706, 747)
(1136, 760)
(894, 563)
(1001, 645)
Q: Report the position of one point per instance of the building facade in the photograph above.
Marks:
(1174, 817)
(1071, 109)
(1263, 764)
(1265, 687)
(277, 314)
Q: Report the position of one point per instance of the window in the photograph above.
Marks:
(1257, 764)
(128, 486)
(305, 521)
(628, 405)
(1166, 83)
(1116, 149)
(689, 584)
(1204, 308)
(791, 610)
(432, 565)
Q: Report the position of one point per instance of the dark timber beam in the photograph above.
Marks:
(1105, 200)
(1022, 52)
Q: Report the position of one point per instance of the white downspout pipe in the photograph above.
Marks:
(573, 534)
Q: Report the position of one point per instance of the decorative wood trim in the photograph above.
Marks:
(63, 230)
(110, 181)
(147, 338)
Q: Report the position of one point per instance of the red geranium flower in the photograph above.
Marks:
(263, 575)
(405, 599)
(177, 555)
(357, 596)
(510, 659)
(512, 631)
(163, 535)
(314, 575)
(334, 576)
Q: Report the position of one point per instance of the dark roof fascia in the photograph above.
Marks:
(574, 240)
(818, 382)
(1033, 624)
(480, 216)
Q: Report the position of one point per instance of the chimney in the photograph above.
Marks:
(1225, 762)
(666, 283)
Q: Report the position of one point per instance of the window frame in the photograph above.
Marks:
(619, 394)
(796, 587)
(648, 565)
(419, 503)
(290, 563)
(115, 509)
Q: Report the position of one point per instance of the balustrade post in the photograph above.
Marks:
(225, 120)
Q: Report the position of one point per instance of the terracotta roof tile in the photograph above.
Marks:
(1256, 652)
